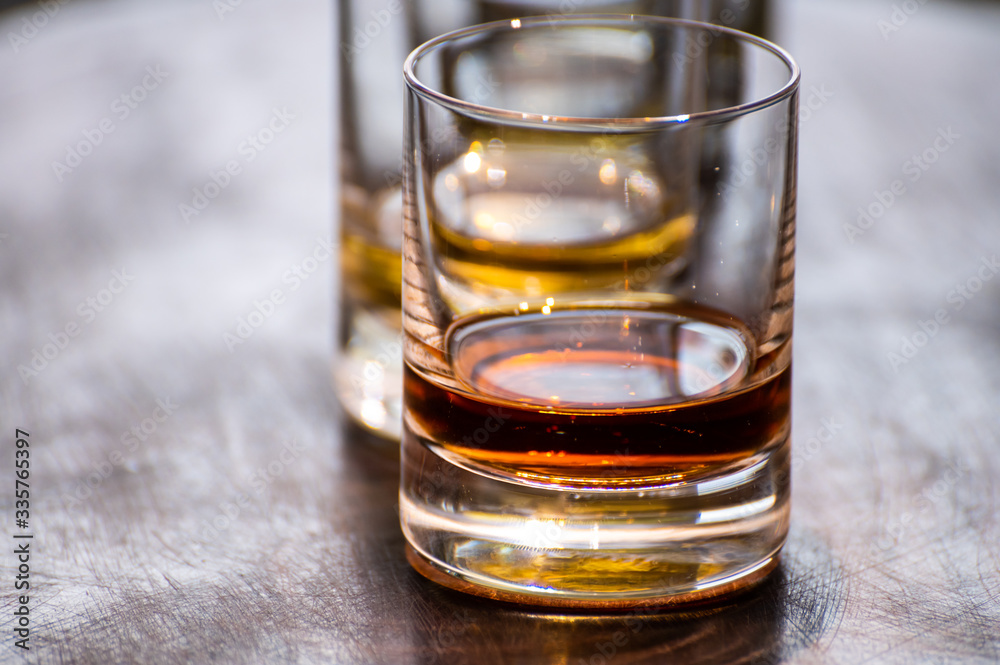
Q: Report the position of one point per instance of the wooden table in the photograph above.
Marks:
(195, 499)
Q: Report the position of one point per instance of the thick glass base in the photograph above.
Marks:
(367, 370)
(457, 580)
(593, 548)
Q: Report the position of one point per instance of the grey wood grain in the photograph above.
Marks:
(249, 525)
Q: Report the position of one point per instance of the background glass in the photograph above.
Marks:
(597, 295)
(375, 37)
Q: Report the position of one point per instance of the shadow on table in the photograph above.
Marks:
(747, 629)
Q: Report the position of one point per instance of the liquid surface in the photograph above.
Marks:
(599, 360)
(601, 397)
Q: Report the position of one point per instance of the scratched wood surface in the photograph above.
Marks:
(198, 500)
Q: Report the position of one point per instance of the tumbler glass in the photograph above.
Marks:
(598, 273)
(375, 37)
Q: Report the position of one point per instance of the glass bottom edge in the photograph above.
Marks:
(665, 599)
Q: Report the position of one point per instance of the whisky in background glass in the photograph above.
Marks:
(374, 37)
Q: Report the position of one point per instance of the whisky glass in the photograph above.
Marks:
(598, 274)
(374, 38)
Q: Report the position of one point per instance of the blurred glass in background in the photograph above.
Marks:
(374, 38)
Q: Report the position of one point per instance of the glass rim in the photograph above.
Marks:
(414, 83)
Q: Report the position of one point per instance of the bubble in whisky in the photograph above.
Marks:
(602, 397)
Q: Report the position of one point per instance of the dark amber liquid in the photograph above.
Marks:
(645, 395)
